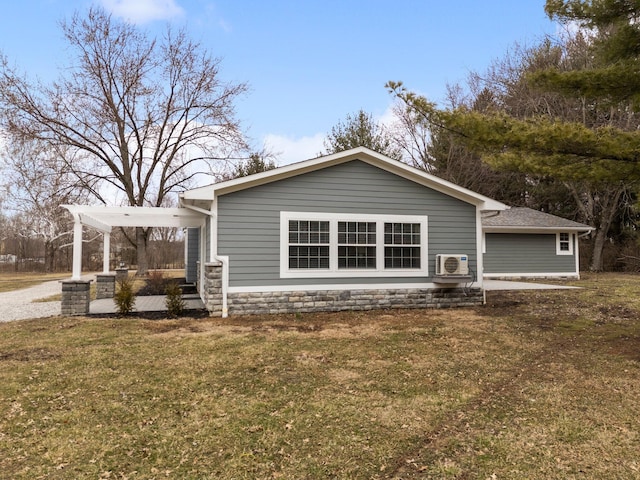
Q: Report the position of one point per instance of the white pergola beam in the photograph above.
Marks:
(95, 223)
(76, 273)
(104, 219)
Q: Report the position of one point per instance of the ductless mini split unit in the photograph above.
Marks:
(452, 264)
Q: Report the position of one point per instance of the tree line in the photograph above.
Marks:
(134, 119)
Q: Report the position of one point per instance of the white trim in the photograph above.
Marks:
(544, 230)
(489, 276)
(577, 256)
(333, 271)
(360, 153)
(344, 286)
(480, 246)
(559, 242)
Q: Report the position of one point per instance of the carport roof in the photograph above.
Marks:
(105, 218)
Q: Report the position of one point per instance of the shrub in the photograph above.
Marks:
(155, 283)
(175, 302)
(124, 297)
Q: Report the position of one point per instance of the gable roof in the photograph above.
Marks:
(363, 154)
(527, 219)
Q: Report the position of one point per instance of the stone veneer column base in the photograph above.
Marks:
(105, 285)
(76, 297)
(340, 300)
(121, 274)
(212, 288)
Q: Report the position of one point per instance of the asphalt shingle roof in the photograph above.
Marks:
(522, 217)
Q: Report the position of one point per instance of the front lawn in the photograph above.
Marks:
(536, 385)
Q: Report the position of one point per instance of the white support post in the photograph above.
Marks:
(106, 249)
(77, 249)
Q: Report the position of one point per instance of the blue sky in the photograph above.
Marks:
(308, 63)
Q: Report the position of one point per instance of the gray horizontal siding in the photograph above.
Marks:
(249, 220)
(193, 252)
(525, 253)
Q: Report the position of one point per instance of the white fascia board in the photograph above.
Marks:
(361, 153)
(547, 230)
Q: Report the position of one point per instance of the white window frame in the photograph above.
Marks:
(559, 243)
(333, 271)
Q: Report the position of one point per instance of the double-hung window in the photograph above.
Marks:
(564, 244)
(308, 245)
(352, 245)
(402, 245)
(357, 245)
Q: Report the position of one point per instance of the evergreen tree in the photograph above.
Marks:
(360, 130)
(543, 125)
(255, 164)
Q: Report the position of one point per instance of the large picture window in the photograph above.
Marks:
(335, 245)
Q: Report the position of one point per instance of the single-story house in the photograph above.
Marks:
(352, 230)
(358, 230)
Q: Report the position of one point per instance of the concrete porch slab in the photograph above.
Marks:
(151, 303)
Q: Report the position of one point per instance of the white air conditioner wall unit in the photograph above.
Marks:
(452, 264)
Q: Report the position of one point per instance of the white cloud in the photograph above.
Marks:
(387, 118)
(289, 150)
(142, 11)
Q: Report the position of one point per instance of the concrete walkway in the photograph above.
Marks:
(494, 285)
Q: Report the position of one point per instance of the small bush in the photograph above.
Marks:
(155, 283)
(174, 301)
(124, 297)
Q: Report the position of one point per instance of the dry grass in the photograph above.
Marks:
(17, 281)
(537, 385)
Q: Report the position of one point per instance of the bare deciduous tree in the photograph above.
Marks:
(37, 181)
(147, 115)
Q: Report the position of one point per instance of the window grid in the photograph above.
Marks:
(564, 242)
(360, 258)
(402, 257)
(309, 244)
(357, 245)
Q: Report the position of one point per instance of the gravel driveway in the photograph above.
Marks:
(18, 304)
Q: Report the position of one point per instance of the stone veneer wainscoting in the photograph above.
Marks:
(340, 300)
(331, 300)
